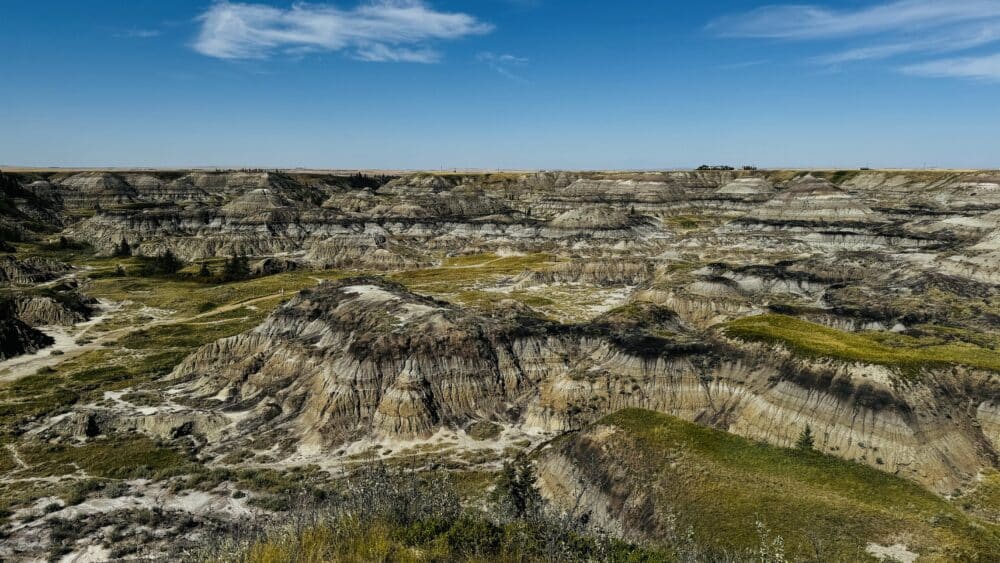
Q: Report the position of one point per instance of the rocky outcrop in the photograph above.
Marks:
(102, 189)
(64, 309)
(365, 250)
(815, 201)
(16, 337)
(362, 357)
(163, 423)
(30, 271)
(27, 209)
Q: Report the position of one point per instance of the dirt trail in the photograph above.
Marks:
(21, 366)
(16, 456)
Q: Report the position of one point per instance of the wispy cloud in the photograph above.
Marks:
(817, 22)
(140, 33)
(953, 39)
(905, 28)
(981, 68)
(382, 30)
(744, 64)
(503, 63)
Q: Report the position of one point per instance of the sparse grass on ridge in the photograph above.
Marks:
(814, 340)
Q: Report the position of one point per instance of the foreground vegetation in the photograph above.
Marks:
(389, 515)
(825, 508)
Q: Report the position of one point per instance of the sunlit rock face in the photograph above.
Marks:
(363, 357)
(902, 254)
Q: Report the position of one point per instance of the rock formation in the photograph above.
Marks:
(363, 357)
(16, 337)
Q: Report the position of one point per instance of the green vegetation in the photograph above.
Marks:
(719, 484)
(118, 458)
(85, 377)
(909, 354)
(691, 222)
(236, 268)
(469, 538)
(188, 297)
(984, 499)
(151, 353)
(470, 270)
(164, 264)
(7, 461)
(469, 281)
(806, 441)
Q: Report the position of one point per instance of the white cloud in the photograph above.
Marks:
(382, 30)
(816, 22)
(982, 68)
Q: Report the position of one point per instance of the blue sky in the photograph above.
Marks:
(513, 84)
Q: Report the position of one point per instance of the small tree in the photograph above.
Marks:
(169, 263)
(204, 271)
(123, 250)
(516, 493)
(119, 271)
(165, 264)
(236, 268)
(806, 440)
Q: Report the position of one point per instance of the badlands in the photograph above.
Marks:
(686, 365)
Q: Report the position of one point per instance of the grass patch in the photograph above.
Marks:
(469, 270)
(117, 458)
(984, 499)
(190, 297)
(690, 222)
(906, 353)
(83, 378)
(7, 461)
(140, 357)
(720, 483)
(188, 335)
